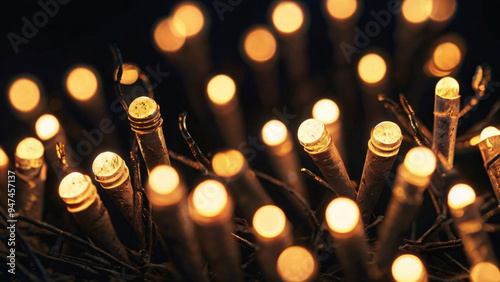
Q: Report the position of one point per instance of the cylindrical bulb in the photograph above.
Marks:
(408, 268)
(489, 146)
(47, 126)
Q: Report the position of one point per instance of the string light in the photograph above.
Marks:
(288, 17)
(130, 74)
(341, 9)
(274, 133)
(24, 94)
(372, 68)
(82, 83)
(442, 10)
(269, 221)
(488, 132)
(416, 11)
(296, 264)
(47, 126)
(221, 89)
(447, 56)
(260, 45)
(167, 37)
(326, 111)
(408, 268)
(485, 272)
(188, 19)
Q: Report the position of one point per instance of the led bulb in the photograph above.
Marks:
(296, 264)
(221, 89)
(416, 11)
(460, 196)
(288, 17)
(260, 45)
(341, 9)
(313, 135)
(446, 56)
(143, 108)
(372, 68)
(485, 272)
(106, 164)
(47, 126)
(447, 88)
(77, 191)
(274, 133)
(24, 95)
(4, 159)
(407, 268)
(386, 135)
(130, 74)
(188, 19)
(228, 163)
(169, 37)
(420, 161)
(442, 10)
(82, 83)
(342, 215)
(326, 111)
(209, 198)
(29, 153)
(164, 179)
(269, 221)
(488, 132)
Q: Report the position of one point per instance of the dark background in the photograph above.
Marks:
(82, 30)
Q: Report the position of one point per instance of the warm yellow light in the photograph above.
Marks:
(228, 163)
(341, 9)
(221, 89)
(142, 108)
(47, 127)
(312, 134)
(130, 74)
(420, 161)
(448, 88)
(24, 94)
(209, 198)
(77, 191)
(442, 10)
(485, 272)
(416, 11)
(296, 264)
(167, 38)
(106, 164)
(82, 83)
(260, 45)
(288, 17)
(342, 215)
(188, 19)
(460, 196)
(386, 134)
(447, 56)
(269, 221)
(372, 68)
(163, 179)
(274, 133)
(4, 159)
(30, 149)
(326, 111)
(488, 132)
(434, 70)
(408, 268)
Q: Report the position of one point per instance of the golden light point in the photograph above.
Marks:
(442, 10)
(326, 111)
(420, 161)
(310, 131)
(431, 67)
(408, 268)
(488, 132)
(47, 126)
(106, 164)
(341, 9)
(447, 56)
(416, 11)
(130, 74)
(73, 185)
(342, 215)
(221, 89)
(269, 221)
(142, 108)
(460, 196)
(4, 159)
(163, 180)
(260, 45)
(288, 17)
(188, 19)
(167, 38)
(24, 94)
(387, 133)
(372, 68)
(30, 148)
(82, 83)
(448, 88)
(228, 163)
(274, 132)
(296, 264)
(485, 272)
(209, 198)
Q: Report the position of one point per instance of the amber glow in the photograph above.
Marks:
(312, 134)
(30, 149)
(82, 83)
(260, 45)
(342, 215)
(4, 159)
(416, 11)
(341, 9)
(130, 74)
(386, 133)
(164, 179)
(47, 127)
(167, 38)
(106, 164)
(448, 88)
(269, 221)
(460, 196)
(485, 272)
(288, 17)
(209, 198)
(488, 132)
(442, 10)
(420, 161)
(221, 89)
(188, 19)
(326, 111)
(296, 264)
(24, 94)
(77, 191)
(372, 68)
(446, 56)
(430, 66)
(274, 133)
(228, 163)
(408, 268)
(142, 107)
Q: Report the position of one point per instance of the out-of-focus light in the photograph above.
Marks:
(447, 56)
(296, 264)
(485, 272)
(82, 83)
(442, 10)
(341, 9)
(260, 45)
(372, 68)
(168, 38)
(408, 268)
(342, 215)
(188, 19)
(488, 132)
(269, 221)
(4, 159)
(130, 74)
(460, 196)
(420, 161)
(228, 163)
(24, 94)
(433, 70)
(288, 17)
(221, 89)
(210, 198)
(416, 11)
(326, 111)
(30, 149)
(274, 133)
(47, 127)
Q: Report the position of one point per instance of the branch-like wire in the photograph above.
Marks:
(195, 150)
(419, 136)
(318, 180)
(117, 57)
(480, 83)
